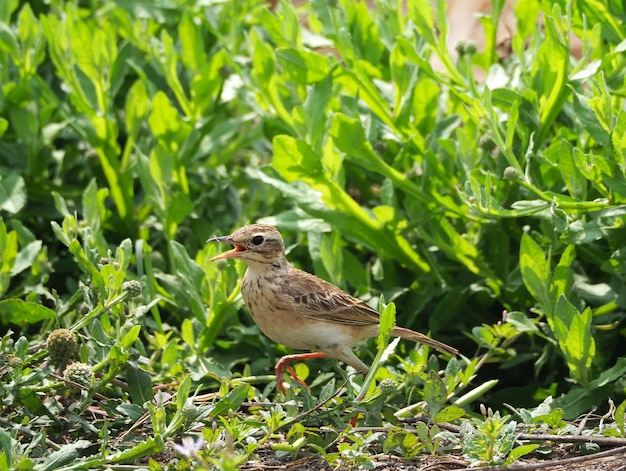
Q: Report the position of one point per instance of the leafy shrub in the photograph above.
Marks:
(491, 214)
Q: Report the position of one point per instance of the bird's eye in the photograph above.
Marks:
(257, 240)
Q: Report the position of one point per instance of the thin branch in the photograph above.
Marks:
(614, 453)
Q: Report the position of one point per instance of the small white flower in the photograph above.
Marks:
(189, 446)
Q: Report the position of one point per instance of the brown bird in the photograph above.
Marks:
(300, 310)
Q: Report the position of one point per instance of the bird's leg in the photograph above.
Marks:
(353, 421)
(284, 363)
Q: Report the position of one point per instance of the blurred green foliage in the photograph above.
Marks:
(492, 214)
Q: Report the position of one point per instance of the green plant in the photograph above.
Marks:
(490, 440)
(487, 213)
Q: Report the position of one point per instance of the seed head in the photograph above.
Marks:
(79, 373)
(133, 287)
(62, 346)
(387, 387)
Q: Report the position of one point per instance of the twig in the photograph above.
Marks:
(546, 437)
(74, 384)
(599, 440)
(583, 422)
(267, 404)
(533, 437)
(304, 414)
(615, 452)
(141, 420)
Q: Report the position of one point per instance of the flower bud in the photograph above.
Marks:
(511, 173)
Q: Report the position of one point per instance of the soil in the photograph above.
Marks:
(564, 457)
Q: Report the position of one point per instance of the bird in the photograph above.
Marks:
(301, 311)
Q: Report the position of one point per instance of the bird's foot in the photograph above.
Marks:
(284, 364)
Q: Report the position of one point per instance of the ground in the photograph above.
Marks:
(564, 457)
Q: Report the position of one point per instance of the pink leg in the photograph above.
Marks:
(354, 420)
(284, 363)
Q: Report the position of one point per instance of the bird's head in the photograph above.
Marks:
(257, 243)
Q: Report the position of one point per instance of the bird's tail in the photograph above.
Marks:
(421, 338)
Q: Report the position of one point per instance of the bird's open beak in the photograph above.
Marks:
(234, 253)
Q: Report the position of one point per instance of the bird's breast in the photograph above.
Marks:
(277, 316)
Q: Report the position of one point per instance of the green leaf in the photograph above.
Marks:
(93, 205)
(137, 107)
(186, 332)
(64, 455)
(521, 322)
(190, 276)
(192, 44)
(550, 74)
(26, 257)
(294, 159)
(131, 336)
(562, 278)
(232, 401)
(589, 121)
(582, 398)
(263, 60)
(404, 76)
(617, 187)
(412, 54)
(17, 311)
(303, 67)
(580, 344)
(28, 28)
(164, 121)
(450, 413)
(9, 446)
(566, 312)
(365, 33)
(597, 11)
(6, 10)
(151, 446)
(139, 384)
(573, 332)
(561, 153)
(331, 255)
(183, 393)
(179, 208)
(458, 247)
(12, 193)
(520, 451)
(387, 322)
(422, 15)
(349, 136)
(616, 263)
(283, 28)
(435, 393)
(535, 272)
(314, 107)
(618, 137)
(32, 401)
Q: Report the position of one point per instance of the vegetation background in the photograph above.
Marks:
(491, 214)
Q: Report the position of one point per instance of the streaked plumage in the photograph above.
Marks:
(300, 310)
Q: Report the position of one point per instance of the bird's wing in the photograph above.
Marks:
(315, 298)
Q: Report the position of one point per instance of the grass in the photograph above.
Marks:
(488, 214)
